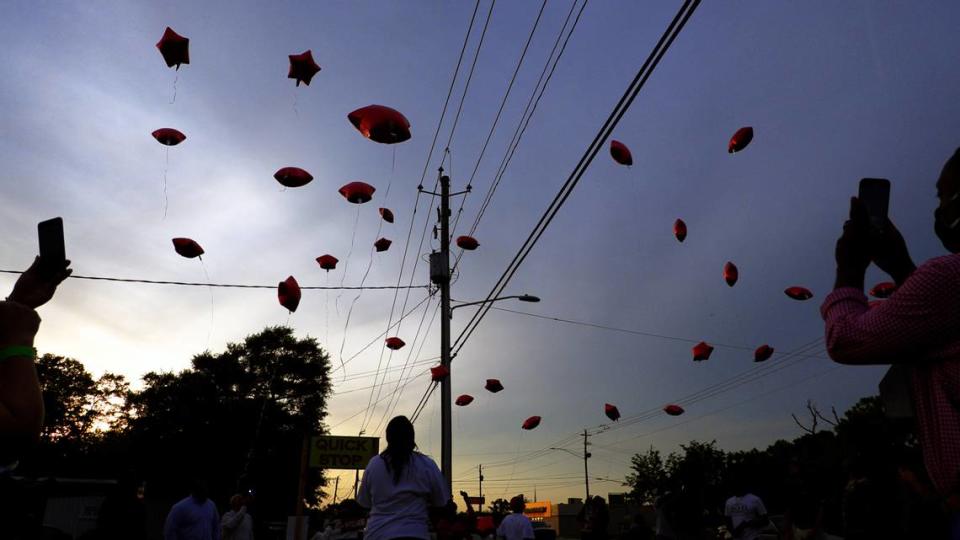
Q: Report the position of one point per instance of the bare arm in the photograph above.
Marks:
(21, 402)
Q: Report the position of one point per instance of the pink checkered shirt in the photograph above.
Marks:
(919, 325)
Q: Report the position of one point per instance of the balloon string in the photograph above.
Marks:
(175, 79)
(296, 111)
(346, 263)
(513, 469)
(326, 303)
(166, 166)
(207, 276)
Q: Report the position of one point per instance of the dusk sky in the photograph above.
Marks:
(835, 91)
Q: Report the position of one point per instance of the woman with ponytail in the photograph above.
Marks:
(399, 486)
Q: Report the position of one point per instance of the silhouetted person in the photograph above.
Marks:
(516, 526)
(399, 486)
(193, 518)
(639, 529)
(236, 522)
(919, 325)
(122, 515)
(746, 515)
(21, 401)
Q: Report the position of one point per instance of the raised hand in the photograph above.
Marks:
(36, 286)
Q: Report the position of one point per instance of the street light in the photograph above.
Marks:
(520, 297)
(586, 455)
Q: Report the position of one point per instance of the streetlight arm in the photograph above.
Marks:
(521, 297)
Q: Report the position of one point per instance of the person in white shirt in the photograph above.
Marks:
(399, 486)
(746, 514)
(236, 522)
(516, 526)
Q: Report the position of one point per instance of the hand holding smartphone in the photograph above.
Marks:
(52, 252)
(875, 196)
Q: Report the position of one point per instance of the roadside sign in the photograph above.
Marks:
(477, 500)
(333, 452)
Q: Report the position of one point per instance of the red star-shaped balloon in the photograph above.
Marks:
(302, 67)
(174, 48)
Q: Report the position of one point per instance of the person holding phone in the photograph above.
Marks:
(21, 402)
(918, 326)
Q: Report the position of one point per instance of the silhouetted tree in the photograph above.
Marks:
(237, 418)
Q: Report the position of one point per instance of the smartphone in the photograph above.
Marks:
(875, 196)
(52, 253)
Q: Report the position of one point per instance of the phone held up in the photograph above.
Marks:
(52, 253)
(875, 196)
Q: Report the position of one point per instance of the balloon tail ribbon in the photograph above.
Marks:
(166, 167)
(210, 287)
(175, 79)
(346, 263)
(296, 111)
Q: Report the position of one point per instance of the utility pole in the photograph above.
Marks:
(480, 469)
(336, 488)
(440, 276)
(586, 474)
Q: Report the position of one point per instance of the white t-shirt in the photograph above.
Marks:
(746, 508)
(400, 510)
(237, 525)
(516, 527)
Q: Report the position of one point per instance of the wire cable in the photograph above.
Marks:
(673, 30)
(227, 285)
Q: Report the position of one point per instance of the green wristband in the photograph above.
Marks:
(17, 352)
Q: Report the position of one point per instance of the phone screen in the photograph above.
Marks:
(52, 253)
(875, 196)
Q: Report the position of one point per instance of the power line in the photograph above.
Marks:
(641, 333)
(700, 395)
(379, 336)
(675, 27)
(227, 285)
(525, 118)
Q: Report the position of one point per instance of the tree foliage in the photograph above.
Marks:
(237, 418)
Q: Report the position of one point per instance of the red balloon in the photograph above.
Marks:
(302, 67)
(327, 262)
(730, 273)
(386, 214)
(382, 244)
(357, 192)
(620, 152)
(680, 230)
(381, 124)
(437, 373)
(611, 411)
(763, 353)
(293, 177)
(883, 290)
(701, 351)
(468, 243)
(531, 422)
(187, 247)
(395, 343)
(174, 48)
(493, 385)
(673, 410)
(464, 400)
(740, 139)
(798, 293)
(168, 136)
(288, 292)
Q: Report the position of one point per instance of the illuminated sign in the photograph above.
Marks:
(331, 452)
(538, 509)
